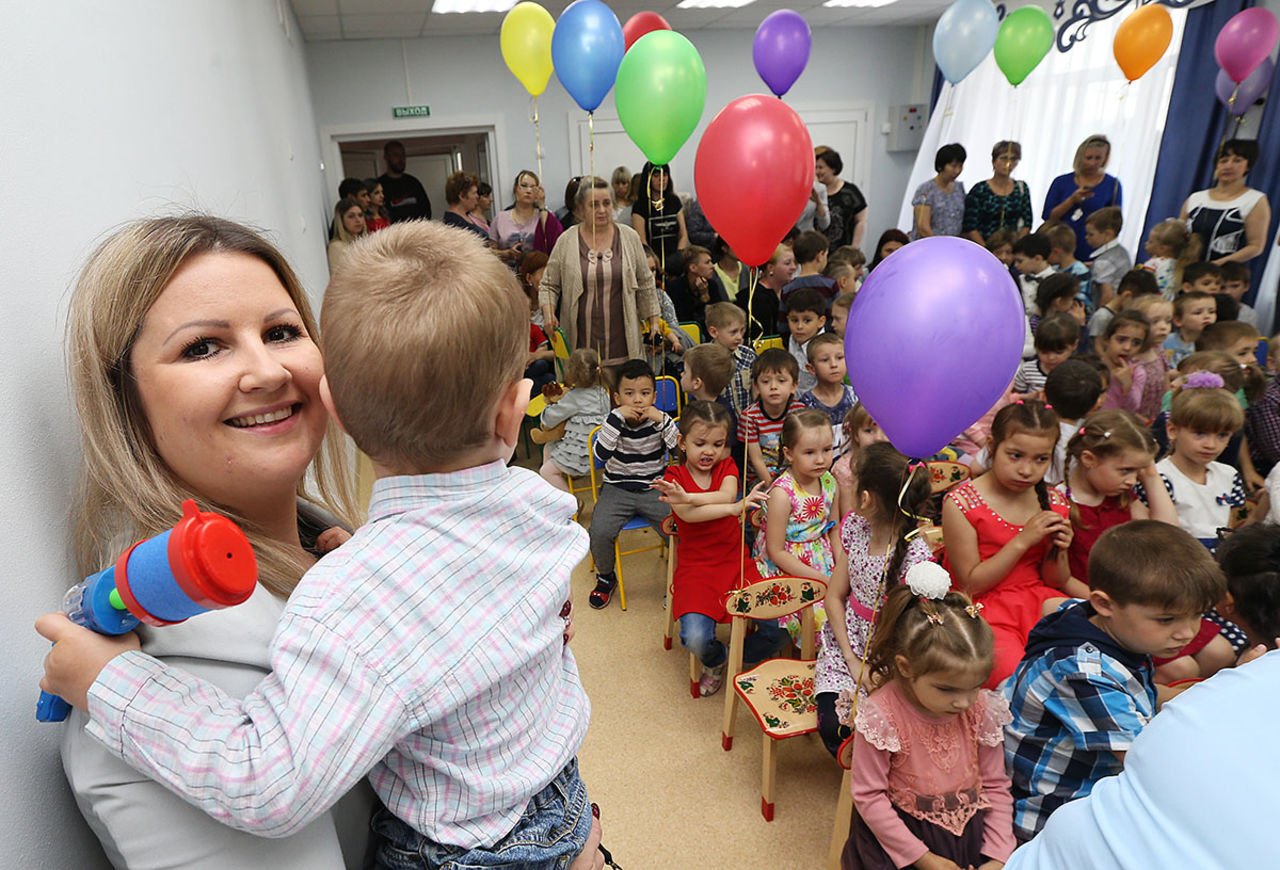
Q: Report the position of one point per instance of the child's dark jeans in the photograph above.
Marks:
(550, 834)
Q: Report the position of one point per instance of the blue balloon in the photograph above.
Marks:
(965, 34)
(586, 49)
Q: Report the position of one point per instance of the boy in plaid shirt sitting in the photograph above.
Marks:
(1084, 688)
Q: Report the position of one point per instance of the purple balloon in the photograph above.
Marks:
(933, 339)
(781, 49)
(1251, 90)
(1245, 40)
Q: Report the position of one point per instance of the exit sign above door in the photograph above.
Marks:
(410, 111)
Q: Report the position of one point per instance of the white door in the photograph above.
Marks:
(360, 164)
(848, 131)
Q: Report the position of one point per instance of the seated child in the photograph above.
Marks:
(1252, 602)
(810, 248)
(1085, 688)
(632, 448)
(831, 395)
(928, 778)
(1031, 259)
(1134, 284)
(1119, 346)
(1235, 283)
(1202, 277)
(1073, 389)
(727, 327)
(1109, 259)
(540, 365)
(1007, 532)
(703, 494)
(1059, 293)
(1192, 312)
(852, 256)
(1057, 336)
(773, 377)
(708, 369)
(888, 493)
(580, 409)
(859, 431)
(1236, 337)
(466, 719)
(806, 317)
(1172, 248)
(1062, 256)
(1000, 244)
(1159, 314)
(840, 311)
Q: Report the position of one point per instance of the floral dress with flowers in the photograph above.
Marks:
(807, 527)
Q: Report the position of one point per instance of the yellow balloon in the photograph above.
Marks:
(526, 45)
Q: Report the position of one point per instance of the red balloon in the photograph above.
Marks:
(640, 24)
(753, 174)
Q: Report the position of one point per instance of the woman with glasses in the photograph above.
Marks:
(1000, 202)
(526, 226)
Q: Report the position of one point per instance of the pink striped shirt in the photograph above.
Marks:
(426, 652)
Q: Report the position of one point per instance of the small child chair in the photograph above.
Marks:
(560, 347)
(844, 806)
(778, 692)
(765, 342)
(666, 396)
(693, 329)
(634, 524)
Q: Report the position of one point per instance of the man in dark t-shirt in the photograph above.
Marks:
(406, 199)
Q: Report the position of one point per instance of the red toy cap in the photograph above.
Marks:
(211, 558)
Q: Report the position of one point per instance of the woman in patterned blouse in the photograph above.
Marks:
(999, 202)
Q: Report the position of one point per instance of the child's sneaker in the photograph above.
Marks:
(600, 596)
(712, 679)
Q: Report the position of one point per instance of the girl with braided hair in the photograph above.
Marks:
(1007, 533)
(928, 776)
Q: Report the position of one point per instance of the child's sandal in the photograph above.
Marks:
(603, 593)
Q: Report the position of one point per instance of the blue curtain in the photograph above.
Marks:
(1198, 123)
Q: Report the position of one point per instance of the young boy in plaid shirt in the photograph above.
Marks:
(1084, 689)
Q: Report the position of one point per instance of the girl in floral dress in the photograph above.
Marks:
(805, 544)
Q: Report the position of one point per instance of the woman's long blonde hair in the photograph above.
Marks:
(126, 491)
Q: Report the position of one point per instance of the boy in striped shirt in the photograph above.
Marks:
(632, 446)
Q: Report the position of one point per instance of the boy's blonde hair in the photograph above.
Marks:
(820, 340)
(126, 491)
(423, 331)
(1108, 218)
(712, 364)
(1060, 236)
(722, 314)
(844, 300)
(1222, 334)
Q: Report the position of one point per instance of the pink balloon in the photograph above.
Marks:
(1245, 41)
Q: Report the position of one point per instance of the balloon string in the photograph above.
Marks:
(752, 281)
(537, 135)
(591, 175)
(948, 108)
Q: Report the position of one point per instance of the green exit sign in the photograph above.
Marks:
(410, 111)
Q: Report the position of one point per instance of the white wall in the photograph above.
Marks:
(114, 111)
(354, 85)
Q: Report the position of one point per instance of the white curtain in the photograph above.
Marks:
(1065, 99)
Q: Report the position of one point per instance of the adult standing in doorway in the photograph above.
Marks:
(844, 198)
(1230, 218)
(599, 281)
(1076, 195)
(526, 226)
(657, 216)
(999, 203)
(938, 204)
(406, 198)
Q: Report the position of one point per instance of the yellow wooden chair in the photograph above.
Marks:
(844, 806)
(560, 347)
(693, 329)
(767, 341)
(778, 692)
(634, 524)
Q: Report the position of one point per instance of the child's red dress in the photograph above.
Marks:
(708, 564)
(1012, 607)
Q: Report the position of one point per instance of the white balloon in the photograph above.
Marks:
(965, 34)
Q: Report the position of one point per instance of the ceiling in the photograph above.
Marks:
(409, 19)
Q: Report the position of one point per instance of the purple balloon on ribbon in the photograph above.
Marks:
(781, 49)
(933, 340)
(1250, 90)
(1245, 41)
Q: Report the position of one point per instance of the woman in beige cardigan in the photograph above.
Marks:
(600, 281)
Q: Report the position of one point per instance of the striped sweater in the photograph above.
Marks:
(634, 456)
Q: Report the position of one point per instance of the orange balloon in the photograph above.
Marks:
(1142, 39)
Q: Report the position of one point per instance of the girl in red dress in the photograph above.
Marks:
(711, 559)
(1007, 534)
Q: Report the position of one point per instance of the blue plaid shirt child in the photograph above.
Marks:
(1077, 698)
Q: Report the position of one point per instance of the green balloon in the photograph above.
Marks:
(1024, 38)
(660, 93)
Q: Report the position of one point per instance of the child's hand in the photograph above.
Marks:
(1254, 653)
(331, 539)
(1123, 375)
(77, 657)
(930, 861)
(654, 413)
(758, 496)
(1253, 482)
(991, 865)
(1062, 535)
(1148, 476)
(671, 491)
(631, 415)
(1042, 525)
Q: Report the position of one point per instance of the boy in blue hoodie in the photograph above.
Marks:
(1084, 688)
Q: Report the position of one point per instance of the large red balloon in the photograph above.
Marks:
(754, 174)
(640, 24)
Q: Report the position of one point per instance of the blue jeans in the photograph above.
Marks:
(551, 833)
(698, 635)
